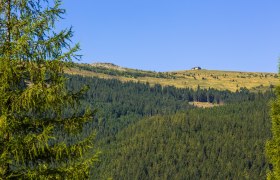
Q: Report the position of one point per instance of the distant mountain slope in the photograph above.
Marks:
(108, 65)
(222, 80)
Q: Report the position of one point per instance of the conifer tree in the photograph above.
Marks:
(273, 145)
(41, 130)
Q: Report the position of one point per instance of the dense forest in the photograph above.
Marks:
(152, 132)
(220, 143)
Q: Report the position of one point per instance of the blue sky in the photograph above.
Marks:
(166, 35)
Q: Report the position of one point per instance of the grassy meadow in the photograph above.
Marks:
(221, 80)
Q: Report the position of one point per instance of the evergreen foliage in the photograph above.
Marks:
(42, 132)
(273, 145)
(218, 143)
(121, 104)
(152, 132)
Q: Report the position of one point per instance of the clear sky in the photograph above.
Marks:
(166, 35)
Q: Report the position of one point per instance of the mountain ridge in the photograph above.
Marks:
(112, 65)
(217, 79)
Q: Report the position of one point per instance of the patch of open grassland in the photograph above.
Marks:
(205, 104)
(222, 80)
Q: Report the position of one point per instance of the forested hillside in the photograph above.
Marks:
(152, 132)
(220, 143)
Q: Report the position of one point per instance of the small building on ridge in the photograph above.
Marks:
(196, 68)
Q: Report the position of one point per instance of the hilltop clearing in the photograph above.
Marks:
(221, 80)
(108, 66)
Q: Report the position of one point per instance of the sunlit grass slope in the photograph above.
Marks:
(222, 80)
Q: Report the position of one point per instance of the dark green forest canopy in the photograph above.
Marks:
(151, 132)
(220, 143)
(120, 104)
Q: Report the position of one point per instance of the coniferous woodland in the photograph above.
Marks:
(152, 132)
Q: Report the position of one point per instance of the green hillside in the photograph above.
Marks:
(154, 132)
(222, 80)
(220, 143)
